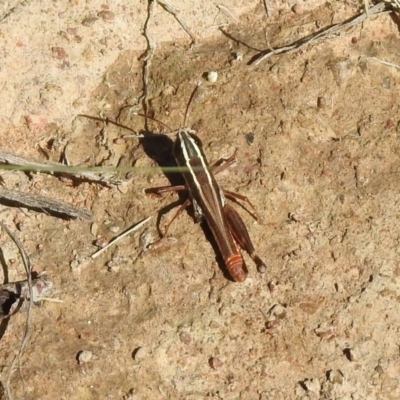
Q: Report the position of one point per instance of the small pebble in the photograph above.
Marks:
(119, 141)
(74, 265)
(94, 229)
(386, 83)
(335, 376)
(325, 332)
(238, 56)
(379, 369)
(146, 239)
(112, 266)
(123, 187)
(312, 385)
(58, 52)
(215, 363)
(212, 76)
(72, 31)
(272, 286)
(277, 312)
(321, 102)
(250, 138)
(63, 34)
(214, 325)
(114, 228)
(298, 8)
(349, 353)
(262, 269)
(140, 353)
(294, 217)
(106, 15)
(168, 90)
(101, 242)
(84, 356)
(89, 21)
(185, 337)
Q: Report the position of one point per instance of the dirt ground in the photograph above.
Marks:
(317, 138)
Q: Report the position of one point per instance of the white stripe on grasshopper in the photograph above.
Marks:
(203, 164)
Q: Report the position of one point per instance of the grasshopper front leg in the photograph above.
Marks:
(165, 189)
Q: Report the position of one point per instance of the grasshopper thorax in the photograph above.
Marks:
(188, 147)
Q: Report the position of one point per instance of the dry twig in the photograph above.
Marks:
(266, 8)
(377, 9)
(169, 8)
(228, 13)
(40, 203)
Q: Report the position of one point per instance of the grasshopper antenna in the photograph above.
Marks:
(153, 119)
(110, 121)
(190, 102)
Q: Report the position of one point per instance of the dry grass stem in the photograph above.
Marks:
(52, 167)
(24, 340)
(118, 238)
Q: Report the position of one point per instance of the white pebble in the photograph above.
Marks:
(238, 56)
(94, 229)
(140, 353)
(212, 76)
(114, 229)
(84, 356)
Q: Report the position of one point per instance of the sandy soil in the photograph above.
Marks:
(317, 139)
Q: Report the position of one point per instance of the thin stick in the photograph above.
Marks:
(27, 265)
(228, 13)
(169, 8)
(118, 238)
(377, 9)
(51, 300)
(37, 202)
(266, 8)
(389, 64)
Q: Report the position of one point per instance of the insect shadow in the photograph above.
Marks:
(159, 148)
(4, 298)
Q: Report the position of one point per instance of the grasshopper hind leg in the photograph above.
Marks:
(242, 237)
